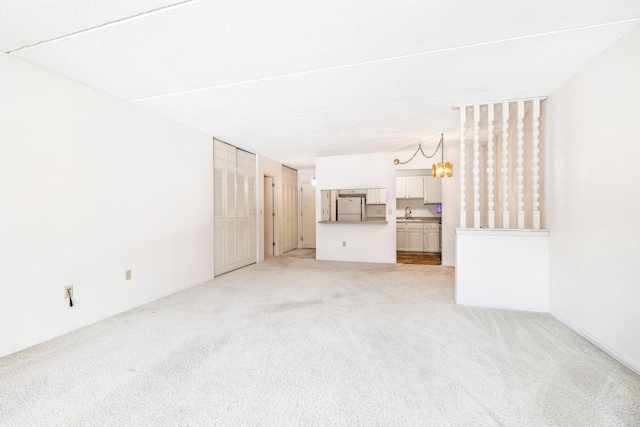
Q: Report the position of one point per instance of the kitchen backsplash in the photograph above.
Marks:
(375, 211)
(418, 209)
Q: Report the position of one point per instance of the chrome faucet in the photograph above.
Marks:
(407, 213)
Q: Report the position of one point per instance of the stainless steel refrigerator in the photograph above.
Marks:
(351, 209)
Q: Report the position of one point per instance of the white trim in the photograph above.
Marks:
(502, 232)
(541, 98)
(623, 359)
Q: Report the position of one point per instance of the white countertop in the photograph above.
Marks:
(420, 219)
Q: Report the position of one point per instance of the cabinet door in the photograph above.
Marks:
(415, 187)
(415, 238)
(401, 188)
(372, 196)
(401, 239)
(325, 206)
(432, 190)
(376, 196)
(432, 240)
(382, 196)
(353, 191)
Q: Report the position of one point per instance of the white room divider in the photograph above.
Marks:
(501, 254)
(503, 171)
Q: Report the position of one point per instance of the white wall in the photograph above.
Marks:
(417, 208)
(503, 268)
(91, 186)
(306, 175)
(592, 140)
(374, 242)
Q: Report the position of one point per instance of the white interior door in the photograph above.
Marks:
(289, 211)
(269, 216)
(308, 215)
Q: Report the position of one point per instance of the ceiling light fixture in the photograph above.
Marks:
(314, 182)
(440, 169)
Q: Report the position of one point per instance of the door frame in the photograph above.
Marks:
(276, 220)
(300, 213)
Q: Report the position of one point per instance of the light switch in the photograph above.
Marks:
(390, 210)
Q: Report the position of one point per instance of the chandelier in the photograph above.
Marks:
(440, 169)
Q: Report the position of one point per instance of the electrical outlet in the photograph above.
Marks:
(68, 291)
(127, 275)
(390, 210)
(344, 243)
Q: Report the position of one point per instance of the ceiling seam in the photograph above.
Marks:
(394, 58)
(384, 129)
(106, 24)
(284, 116)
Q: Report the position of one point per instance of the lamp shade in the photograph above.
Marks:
(442, 169)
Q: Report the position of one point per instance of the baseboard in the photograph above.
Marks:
(46, 336)
(626, 361)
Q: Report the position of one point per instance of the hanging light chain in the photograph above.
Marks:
(398, 162)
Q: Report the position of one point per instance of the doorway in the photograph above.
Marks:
(419, 221)
(269, 216)
(308, 215)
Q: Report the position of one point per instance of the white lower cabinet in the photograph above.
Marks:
(417, 237)
(431, 238)
(401, 236)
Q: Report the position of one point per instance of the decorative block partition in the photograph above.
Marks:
(505, 164)
(501, 250)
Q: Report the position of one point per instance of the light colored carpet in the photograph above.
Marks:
(295, 341)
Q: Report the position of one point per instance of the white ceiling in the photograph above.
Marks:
(296, 79)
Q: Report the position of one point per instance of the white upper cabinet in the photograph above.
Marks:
(432, 190)
(376, 196)
(353, 191)
(410, 187)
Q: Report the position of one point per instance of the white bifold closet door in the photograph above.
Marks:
(234, 208)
